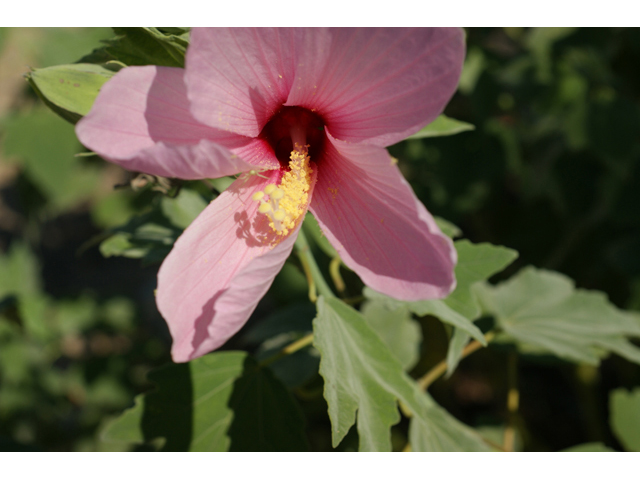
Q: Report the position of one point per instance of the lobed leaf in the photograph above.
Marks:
(396, 328)
(476, 262)
(219, 402)
(362, 376)
(544, 310)
(280, 329)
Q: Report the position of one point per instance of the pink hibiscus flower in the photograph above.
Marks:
(311, 110)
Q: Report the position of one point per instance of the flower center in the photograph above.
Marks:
(295, 134)
(286, 203)
(294, 125)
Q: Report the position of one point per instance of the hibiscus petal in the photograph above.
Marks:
(218, 270)
(380, 85)
(381, 230)
(238, 78)
(141, 121)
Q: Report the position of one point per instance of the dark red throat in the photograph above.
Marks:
(277, 132)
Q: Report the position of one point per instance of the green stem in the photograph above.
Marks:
(334, 271)
(289, 349)
(513, 402)
(311, 267)
(439, 370)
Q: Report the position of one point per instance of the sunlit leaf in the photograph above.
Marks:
(70, 90)
(448, 228)
(624, 409)
(442, 126)
(361, 375)
(545, 310)
(219, 402)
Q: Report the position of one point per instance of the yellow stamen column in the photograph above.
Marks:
(287, 202)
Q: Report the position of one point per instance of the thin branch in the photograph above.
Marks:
(440, 369)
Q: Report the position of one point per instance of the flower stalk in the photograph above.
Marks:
(311, 269)
(439, 370)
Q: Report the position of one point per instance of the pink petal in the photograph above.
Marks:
(378, 85)
(237, 78)
(141, 121)
(218, 270)
(381, 230)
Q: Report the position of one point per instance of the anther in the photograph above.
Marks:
(277, 194)
(264, 208)
(279, 215)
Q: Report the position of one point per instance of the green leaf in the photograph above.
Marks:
(473, 67)
(69, 90)
(625, 417)
(292, 370)
(589, 447)
(476, 262)
(119, 245)
(183, 209)
(112, 210)
(459, 340)
(143, 46)
(292, 318)
(361, 375)
(149, 236)
(544, 310)
(442, 126)
(440, 432)
(396, 328)
(281, 329)
(448, 228)
(219, 402)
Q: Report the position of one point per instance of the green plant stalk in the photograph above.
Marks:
(315, 279)
(289, 349)
(334, 271)
(440, 369)
(513, 402)
(311, 269)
